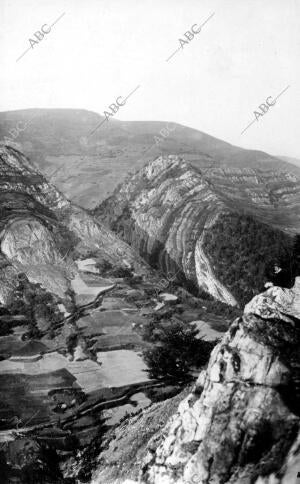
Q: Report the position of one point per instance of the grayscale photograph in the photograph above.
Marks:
(150, 242)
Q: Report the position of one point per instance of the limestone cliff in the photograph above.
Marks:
(215, 230)
(240, 425)
(39, 229)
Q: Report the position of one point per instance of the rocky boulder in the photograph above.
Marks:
(241, 422)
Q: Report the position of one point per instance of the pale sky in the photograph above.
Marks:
(101, 49)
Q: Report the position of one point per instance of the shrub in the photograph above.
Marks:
(175, 351)
(5, 328)
(103, 266)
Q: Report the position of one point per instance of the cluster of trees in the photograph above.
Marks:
(175, 349)
(88, 457)
(107, 269)
(5, 328)
(66, 240)
(246, 253)
(206, 303)
(38, 464)
(35, 303)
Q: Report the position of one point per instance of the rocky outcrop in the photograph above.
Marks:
(240, 425)
(169, 212)
(39, 229)
(89, 167)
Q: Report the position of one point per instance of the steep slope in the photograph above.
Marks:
(219, 232)
(89, 165)
(40, 229)
(241, 422)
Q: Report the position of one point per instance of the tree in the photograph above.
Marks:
(176, 351)
(36, 304)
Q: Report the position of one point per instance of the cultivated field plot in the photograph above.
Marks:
(24, 398)
(112, 328)
(9, 344)
(87, 373)
(122, 367)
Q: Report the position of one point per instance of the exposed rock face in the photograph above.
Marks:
(39, 227)
(168, 209)
(59, 139)
(241, 423)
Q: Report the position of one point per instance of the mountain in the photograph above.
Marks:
(40, 230)
(287, 159)
(239, 424)
(84, 293)
(88, 164)
(221, 232)
(76, 305)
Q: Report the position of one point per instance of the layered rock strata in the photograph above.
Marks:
(241, 423)
(167, 210)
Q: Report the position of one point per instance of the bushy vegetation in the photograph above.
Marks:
(159, 394)
(88, 457)
(107, 269)
(36, 304)
(65, 240)
(5, 328)
(174, 350)
(245, 252)
(103, 266)
(71, 342)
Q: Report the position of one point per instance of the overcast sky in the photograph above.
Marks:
(101, 49)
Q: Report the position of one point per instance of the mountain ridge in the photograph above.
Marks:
(60, 140)
(40, 227)
(168, 210)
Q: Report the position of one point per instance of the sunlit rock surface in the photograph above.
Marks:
(166, 210)
(241, 423)
(39, 227)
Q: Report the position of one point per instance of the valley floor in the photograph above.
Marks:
(52, 396)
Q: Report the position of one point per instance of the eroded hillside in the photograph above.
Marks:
(40, 229)
(239, 424)
(88, 161)
(219, 231)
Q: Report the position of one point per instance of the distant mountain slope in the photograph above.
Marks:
(288, 159)
(220, 232)
(40, 229)
(92, 165)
